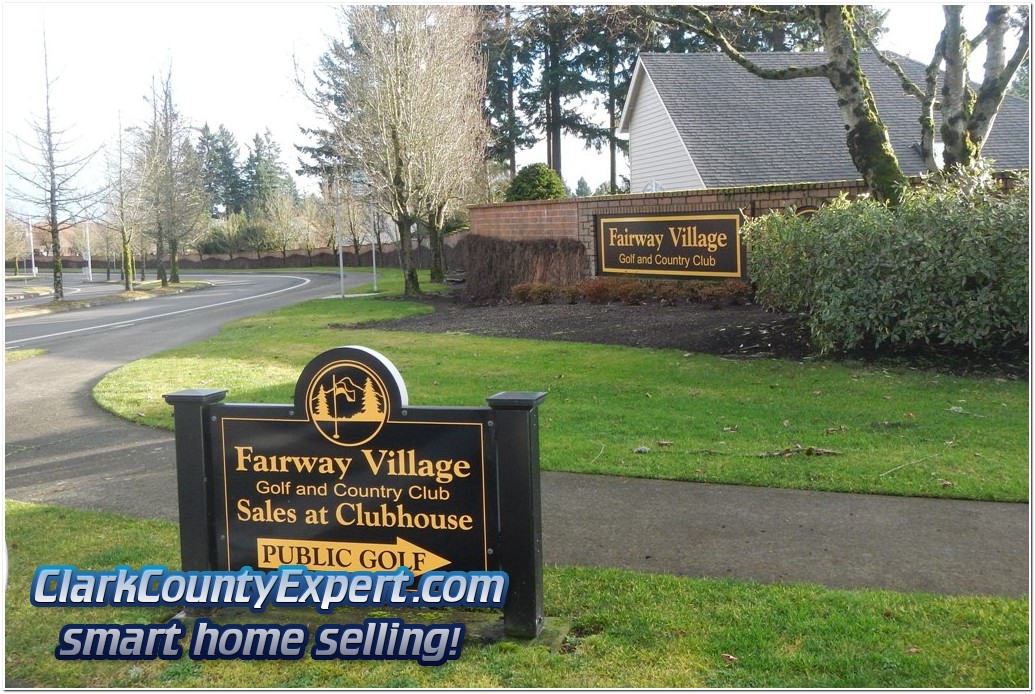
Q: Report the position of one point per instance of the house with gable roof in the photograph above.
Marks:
(699, 120)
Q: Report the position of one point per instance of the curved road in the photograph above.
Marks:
(60, 447)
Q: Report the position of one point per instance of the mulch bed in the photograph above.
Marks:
(734, 331)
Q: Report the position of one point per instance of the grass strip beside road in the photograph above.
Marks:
(13, 355)
(818, 425)
(141, 291)
(628, 630)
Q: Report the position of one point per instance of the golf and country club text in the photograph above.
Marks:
(680, 237)
(288, 586)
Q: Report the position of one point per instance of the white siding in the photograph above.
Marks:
(656, 151)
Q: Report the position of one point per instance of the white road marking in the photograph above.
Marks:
(131, 321)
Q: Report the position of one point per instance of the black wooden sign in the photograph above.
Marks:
(692, 245)
(350, 477)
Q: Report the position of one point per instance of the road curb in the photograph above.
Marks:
(16, 312)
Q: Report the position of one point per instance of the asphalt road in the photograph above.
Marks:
(62, 449)
(26, 291)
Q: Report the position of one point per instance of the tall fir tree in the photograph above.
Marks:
(552, 104)
(264, 175)
(221, 171)
(508, 72)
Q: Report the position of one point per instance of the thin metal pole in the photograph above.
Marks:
(89, 256)
(337, 227)
(32, 250)
(373, 254)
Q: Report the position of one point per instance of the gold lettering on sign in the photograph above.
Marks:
(689, 237)
(324, 465)
(626, 239)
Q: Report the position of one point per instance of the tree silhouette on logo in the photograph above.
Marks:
(335, 397)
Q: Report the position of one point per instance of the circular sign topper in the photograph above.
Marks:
(348, 393)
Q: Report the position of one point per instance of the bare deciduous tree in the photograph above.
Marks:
(16, 240)
(172, 187)
(46, 179)
(865, 133)
(122, 212)
(967, 115)
(316, 224)
(390, 96)
(455, 75)
(286, 219)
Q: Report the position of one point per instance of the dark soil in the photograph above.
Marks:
(733, 331)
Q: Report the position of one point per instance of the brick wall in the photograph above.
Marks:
(574, 217)
(511, 221)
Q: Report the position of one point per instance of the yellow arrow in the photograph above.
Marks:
(318, 555)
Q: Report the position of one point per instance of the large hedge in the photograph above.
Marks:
(494, 266)
(948, 268)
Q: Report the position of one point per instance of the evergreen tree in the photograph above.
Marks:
(372, 404)
(229, 180)
(555, 58)
(321, 408)
(508, 72)
(582, 189)
(264, 175)
(221, 171)
(609, 56)
(552, 34)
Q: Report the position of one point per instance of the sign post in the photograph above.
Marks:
(350, 477)
(194, 475)
(516, 417)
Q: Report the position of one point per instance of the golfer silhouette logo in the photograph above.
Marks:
(347, 402)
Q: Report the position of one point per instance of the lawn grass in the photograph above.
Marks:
(692, 417)
(13, 355)
(628, 629)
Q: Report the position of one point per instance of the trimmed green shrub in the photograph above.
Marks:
(536, 182)
(947, 268)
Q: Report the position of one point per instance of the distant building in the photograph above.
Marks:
(699, 120)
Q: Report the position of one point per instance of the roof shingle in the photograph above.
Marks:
(744, 130)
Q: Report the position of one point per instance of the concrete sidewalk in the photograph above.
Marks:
(683, 528)
(779, 535)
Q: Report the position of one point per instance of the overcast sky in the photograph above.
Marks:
(233, 64)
